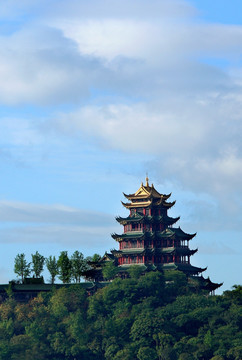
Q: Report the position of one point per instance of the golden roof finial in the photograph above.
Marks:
(147, 180)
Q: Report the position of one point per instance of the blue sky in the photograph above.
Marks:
(95, 94)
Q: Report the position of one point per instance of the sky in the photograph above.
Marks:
(94, 95)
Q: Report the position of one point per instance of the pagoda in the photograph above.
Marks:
(151, 239)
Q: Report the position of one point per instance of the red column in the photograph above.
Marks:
(143, 259)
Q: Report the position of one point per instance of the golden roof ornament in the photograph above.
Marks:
(147, 180)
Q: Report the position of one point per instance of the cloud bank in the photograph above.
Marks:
(117, 87)
(66, 226)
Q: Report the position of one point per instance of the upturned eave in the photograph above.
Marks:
(136, 204)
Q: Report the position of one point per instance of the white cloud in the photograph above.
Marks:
(186, 138)
(128, 127)
(34, 224)
(157, 42)
(142, 49)
(39, 66)
(178, 104)
(200, 147)
(84, 237)
(18, 212)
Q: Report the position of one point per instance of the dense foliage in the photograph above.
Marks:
(144, 318)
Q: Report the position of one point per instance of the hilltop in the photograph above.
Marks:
(151, 317)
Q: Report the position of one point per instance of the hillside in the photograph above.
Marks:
(147, 318)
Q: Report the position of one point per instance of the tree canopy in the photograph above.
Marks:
(37, 264)
(21, 266)
(64, 266)
(144, 318)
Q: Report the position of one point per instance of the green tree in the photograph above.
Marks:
(135, 271)
(52, 266)
(64, 266)
(235, 295)
(110, 351)
(96, 257)
(126, 353)
(235, 353)
(21, 267)
(176, 283)
(147, 353)
(109, 270)
(188, 356)
(144, 327)
(78, 265)
(19, 345)
(164, 346)
(38, 264)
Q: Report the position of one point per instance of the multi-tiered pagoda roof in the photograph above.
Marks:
(150, 238)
